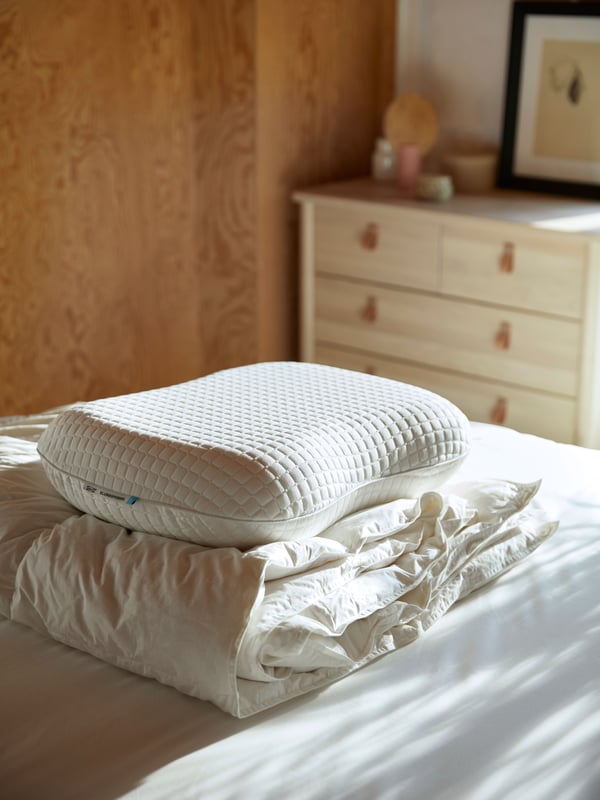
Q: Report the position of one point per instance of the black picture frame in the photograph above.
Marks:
(551, 84)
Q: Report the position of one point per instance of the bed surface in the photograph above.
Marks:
(500, 699)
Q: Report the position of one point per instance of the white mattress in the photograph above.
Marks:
(501, 699)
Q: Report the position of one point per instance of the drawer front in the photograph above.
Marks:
(482, 401)
(513, 347)
(522, 270)
(378, 244)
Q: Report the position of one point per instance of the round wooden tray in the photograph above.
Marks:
(411, 119)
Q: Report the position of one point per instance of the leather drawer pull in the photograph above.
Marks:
(369, 310)
(507, 258)
(502, 338)
(370, 236)
(499, 412)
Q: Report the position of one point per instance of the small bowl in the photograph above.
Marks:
(434, 188)
(472, 173)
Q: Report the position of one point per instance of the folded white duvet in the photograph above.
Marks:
(249, 630)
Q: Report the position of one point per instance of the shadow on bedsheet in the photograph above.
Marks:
(74, 727)
(511, 709)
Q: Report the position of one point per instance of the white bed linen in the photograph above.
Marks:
(249, 630)
(500, 700)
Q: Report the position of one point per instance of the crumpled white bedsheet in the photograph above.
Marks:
(249, 630)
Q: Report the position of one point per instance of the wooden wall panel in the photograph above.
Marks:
(60, 205)
(224, 48)
(126, 258)
(324, 77)
(154, 98)
(147, 153)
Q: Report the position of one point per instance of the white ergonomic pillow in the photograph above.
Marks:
(254, 454)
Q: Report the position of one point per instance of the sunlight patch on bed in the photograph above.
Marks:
(551, 753)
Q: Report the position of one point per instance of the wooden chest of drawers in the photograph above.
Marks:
(491, 301)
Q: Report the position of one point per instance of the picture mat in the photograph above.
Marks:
(542, 36)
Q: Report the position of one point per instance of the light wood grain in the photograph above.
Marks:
(63, 203)
(225, 174)
(557, 216)
(519, 345)
(307, 284)
(101, 260)
(439, 332)
(324, 77)
(526, 410)
(545, 275)
(404, 249)
(588, 423)
(147, 155)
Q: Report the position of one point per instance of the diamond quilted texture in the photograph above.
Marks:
(253, 454)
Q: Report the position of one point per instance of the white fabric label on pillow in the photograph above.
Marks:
(256, 454)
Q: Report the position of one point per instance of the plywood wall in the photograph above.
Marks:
(147, 153)
(325, 72)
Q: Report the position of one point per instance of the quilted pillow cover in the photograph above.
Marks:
(255, 454)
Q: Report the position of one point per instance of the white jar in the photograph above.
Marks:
(383, 161)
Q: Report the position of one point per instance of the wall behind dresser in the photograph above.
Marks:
(148, 149)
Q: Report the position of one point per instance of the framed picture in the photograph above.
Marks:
(551, 137)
